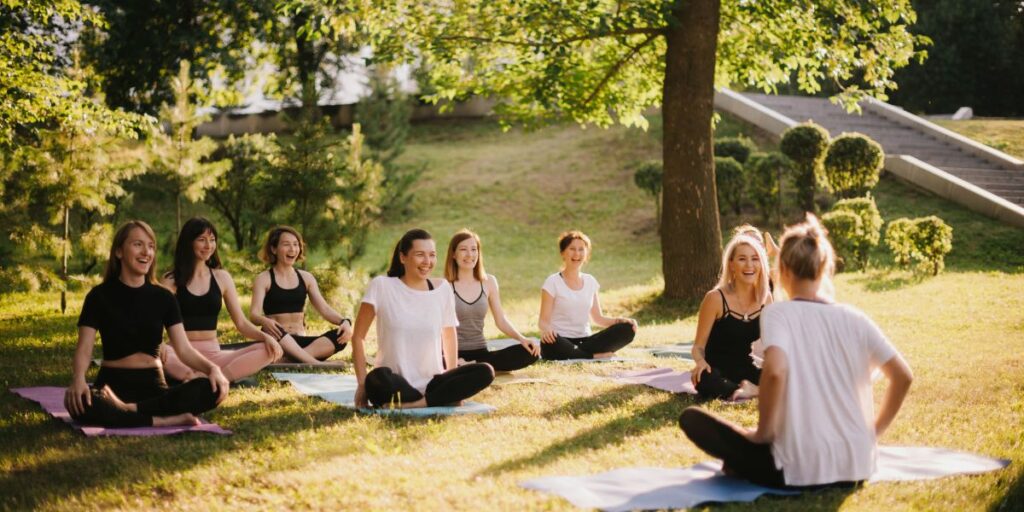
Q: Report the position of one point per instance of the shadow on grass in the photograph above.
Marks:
(656, 308)
(824, 499)
(880, 280)
(1013, 499)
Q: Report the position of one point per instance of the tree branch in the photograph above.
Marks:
(615, 69)
(652, 31)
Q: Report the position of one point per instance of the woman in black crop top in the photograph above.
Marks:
(728, 323)
(130, 312)
(279, 301)
(204, 286)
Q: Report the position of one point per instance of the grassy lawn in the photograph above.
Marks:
(962, 332)
(1006, 135)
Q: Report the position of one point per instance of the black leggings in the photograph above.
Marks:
(384, 386)
(609, 340)
(740, 457)
(722, 382)
(146, 388)
(331, 335)
(505, 360)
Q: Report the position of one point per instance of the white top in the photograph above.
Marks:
(409, 324)
(570, 317)
(826, 431)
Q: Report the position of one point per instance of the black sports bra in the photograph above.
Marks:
(199, 313)
(279, 300)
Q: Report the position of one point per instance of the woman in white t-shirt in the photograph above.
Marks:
(817, 424)
(415, 335)
(569, 302)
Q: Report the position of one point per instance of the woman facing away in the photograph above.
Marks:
(728, 323)
(416, 338)
(201, 284)
(279, 301)
(475, 292)
(130, 311)
(569, 301)
(816, 421)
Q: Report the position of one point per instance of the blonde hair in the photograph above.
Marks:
(761, 289)
(749, 230)
(806, 252)
(451, 267)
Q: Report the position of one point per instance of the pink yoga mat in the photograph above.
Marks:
(51, 398)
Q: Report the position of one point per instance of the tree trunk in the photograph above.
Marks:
(64, 262)
(691, 238)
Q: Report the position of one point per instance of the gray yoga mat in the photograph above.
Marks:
(646, 488)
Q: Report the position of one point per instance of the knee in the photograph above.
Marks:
(689, 419)
(625, 330)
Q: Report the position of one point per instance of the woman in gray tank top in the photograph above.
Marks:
(475, 293)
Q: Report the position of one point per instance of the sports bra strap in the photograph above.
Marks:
(430, 285)
(725, 303)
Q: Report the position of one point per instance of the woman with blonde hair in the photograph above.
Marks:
(816, 422)
(464, 269)
(727, 323)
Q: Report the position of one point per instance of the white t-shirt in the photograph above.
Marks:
(826, 431)
(570, 318)
(409, 324)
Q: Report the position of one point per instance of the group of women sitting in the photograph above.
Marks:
(808, 359)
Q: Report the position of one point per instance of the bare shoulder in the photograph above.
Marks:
(223, 277)
(262, 280)
(712, 301)
(491, 283)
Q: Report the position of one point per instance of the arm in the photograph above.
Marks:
(78, 394)
(450, 347)
(325, 309)
(363, 320)
(547, 305)
(244, 326)
(772, 393)
(598, 316)
(196, 361)
(706, 317)
(500, 320)
(260, 285)
(900, 377)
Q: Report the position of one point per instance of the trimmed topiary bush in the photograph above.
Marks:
(897, 238)
(739, 148)
(853, 163)
(729, 182)
(764, 182)
(926, 240)
(844, 231)
(648, 178)
(870, 231)
(806, 145)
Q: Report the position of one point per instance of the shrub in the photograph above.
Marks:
(897, 237)
(738, 148)
(852, 164)
(805, 145)
(764, 182)
(24, 278)
(926, 240)
(844, 230)
(648, 178)
(729, 182)
(870, 230)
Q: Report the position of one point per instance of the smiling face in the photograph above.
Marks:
(204, 245)
(576, 254)
(467, 254)
(288, 249)
(136, 253)
(421, 259)
(745, 265)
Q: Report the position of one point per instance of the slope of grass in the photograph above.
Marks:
(962, 332)
(1006, 135)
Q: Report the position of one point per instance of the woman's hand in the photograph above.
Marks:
(345, 330)
(531, 346)
(623, 320)
(548, 336)
(272, 327)
(273, 347)
(361, 401)
(219, 384)
(770, 247)
(699, 368)
(77, 397)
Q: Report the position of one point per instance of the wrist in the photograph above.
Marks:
(344, 321)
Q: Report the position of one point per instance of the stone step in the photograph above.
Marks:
(1005, 174)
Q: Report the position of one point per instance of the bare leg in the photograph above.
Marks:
(295, 352)
(747, 389)
(604, 355)
(184, 419)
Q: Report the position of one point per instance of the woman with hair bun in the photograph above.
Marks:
(816, 423)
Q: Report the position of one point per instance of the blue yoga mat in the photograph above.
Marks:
(674, 488)
(341, 389)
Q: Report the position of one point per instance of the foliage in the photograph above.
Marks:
(242, 194)
(738, 148)
(853, 163)
(859, 239)
(729, 182)
(926, 240)
(806, 145)
(26, 278)
(360, 204)
(648, 178)
(764, 172)
(845, 229)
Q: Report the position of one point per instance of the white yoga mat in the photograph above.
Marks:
(665, 379)
(675, 488)
(341, 390)
(503, 343)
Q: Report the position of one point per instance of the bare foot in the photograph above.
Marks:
(185, 420)
(746, 390)
(604, 355)
(108, 393)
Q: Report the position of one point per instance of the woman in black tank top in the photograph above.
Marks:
(728, 323)
(279, 301)
(200, 284)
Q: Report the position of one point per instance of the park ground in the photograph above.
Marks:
(962, 332)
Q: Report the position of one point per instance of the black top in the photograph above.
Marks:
(199, 313)
(129, 320)
(278, 300)
(729, 342)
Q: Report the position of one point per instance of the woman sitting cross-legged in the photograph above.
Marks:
(569, 301)
(416, 339)
(201, 285)
(130, 312)
(816, 421)
(728, 323)
(475, 292)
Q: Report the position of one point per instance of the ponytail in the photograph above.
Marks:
(402, 247)
(805, 250)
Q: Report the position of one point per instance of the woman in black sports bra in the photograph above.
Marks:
(279, 300)
(205, 285)
(728, 323)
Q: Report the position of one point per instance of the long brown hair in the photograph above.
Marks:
(451, 267)
(113, 270)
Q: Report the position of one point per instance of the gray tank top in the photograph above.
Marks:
(471, 320)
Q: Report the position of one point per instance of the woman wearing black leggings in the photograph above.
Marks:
(476, 291)
(130, 312)
(416, 339)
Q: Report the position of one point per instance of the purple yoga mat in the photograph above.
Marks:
(51, 398)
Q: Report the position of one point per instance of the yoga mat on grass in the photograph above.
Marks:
(341, 390)
(648, 488)
(51, 398)
(507, 379)
(503, 343)
(679, 350)
(665, 379)
(598, 360)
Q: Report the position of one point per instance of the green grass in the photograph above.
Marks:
(962, 332)
(1006, 135)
